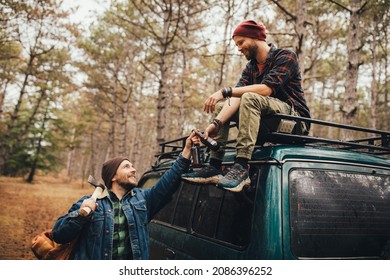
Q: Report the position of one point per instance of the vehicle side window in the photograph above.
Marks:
(337, 213)
(178, 210)
(207, 210)
(184, 205)
(235, 222)
(165, 214)
(224, 215)
(218, 214)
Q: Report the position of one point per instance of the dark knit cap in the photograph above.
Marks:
(109, 170)
(251, 29)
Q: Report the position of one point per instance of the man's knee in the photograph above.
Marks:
(251, 96)
(251, 99)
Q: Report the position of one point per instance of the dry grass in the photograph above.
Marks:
(28, 209)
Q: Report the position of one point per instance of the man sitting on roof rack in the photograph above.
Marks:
(271, 83)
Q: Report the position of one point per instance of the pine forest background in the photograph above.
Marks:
(73, 96)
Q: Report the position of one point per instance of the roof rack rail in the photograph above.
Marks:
(176, 146)
(377, 143)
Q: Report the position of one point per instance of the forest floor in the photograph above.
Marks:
(28, 209)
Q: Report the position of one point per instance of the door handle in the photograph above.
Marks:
(169, 254)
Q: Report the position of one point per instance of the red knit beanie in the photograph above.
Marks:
(251, 29)
(109, 170)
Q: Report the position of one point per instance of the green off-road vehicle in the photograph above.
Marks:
(309, 198)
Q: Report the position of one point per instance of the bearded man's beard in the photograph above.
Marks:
(252, 52)
(127, 185)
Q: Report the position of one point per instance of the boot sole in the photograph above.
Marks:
(209, 180)
(240, 187)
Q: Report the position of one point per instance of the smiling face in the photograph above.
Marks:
(247, 46)
(126, 175)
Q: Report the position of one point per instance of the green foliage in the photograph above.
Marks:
(25, 155)
(35, 70)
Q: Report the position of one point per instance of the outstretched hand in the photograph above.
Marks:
(192, 139)
(211, 131)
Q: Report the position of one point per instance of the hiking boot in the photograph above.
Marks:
(235, 179)
(205, 175)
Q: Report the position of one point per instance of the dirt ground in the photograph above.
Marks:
(28, 209)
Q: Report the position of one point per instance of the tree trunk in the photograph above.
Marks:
(34, 165)
(162, 102)
(182, 101)
(226, 43)
(2, 94)
(386, 103)
(136, 137)
(321, 106)
(15, 114)
(31, 118)
(332, 111)
(353, 46)
(91, 164)
(300, 29)
(123, 127)
(85, 168)
(111, 152)
(69, 163)
(374, 82)
(299, 19)
(171, 17)
(5, 150)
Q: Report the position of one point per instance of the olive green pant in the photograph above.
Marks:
(248, 117)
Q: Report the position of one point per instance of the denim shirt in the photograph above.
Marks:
(96, 230)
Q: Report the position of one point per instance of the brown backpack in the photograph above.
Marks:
(45, 248)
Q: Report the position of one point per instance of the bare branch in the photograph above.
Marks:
(363, 8)
(149, 70)
(341, 6)
(294, 17)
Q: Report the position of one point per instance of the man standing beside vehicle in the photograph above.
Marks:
(116, 228)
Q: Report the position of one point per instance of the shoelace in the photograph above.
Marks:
(233, 172)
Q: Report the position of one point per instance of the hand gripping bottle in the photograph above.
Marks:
(196, 159)
(209, 142)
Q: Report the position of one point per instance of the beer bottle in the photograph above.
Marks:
(209, 142)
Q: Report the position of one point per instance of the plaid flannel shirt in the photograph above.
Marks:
(282, 74)
(121, 240)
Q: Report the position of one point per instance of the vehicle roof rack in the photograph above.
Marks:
(375, 141)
